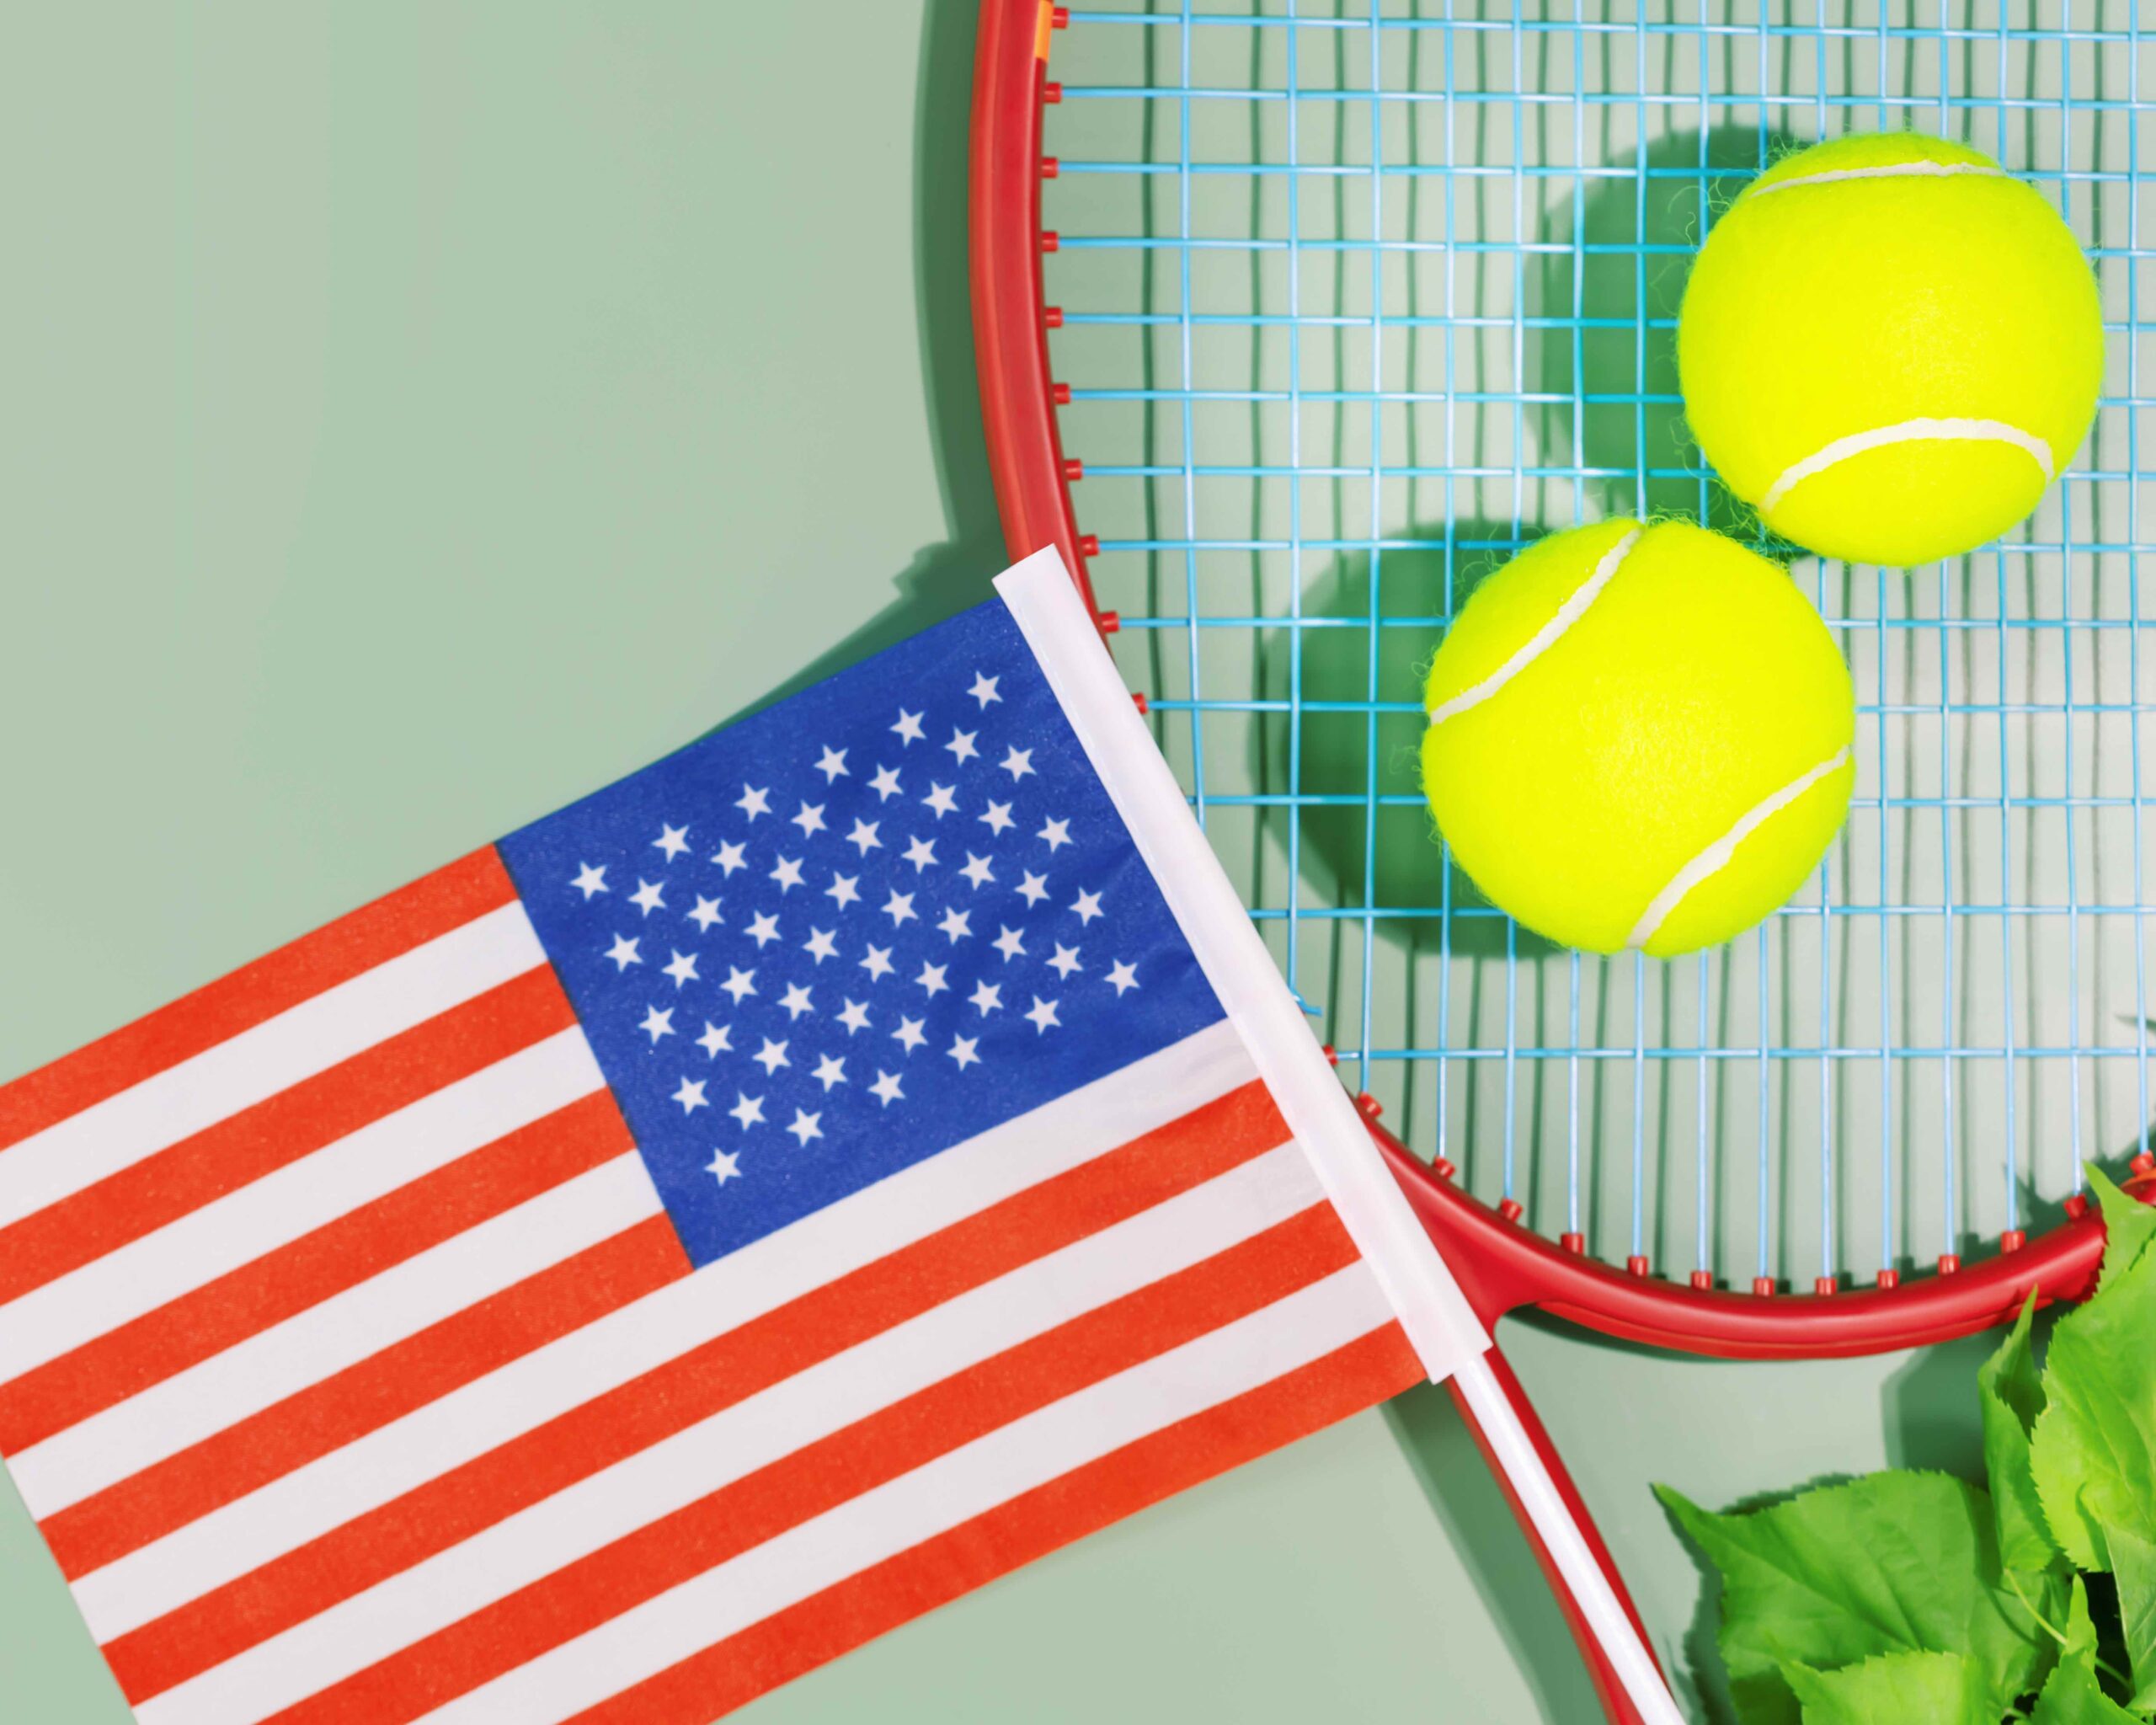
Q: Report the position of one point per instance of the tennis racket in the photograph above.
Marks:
(1292, 321)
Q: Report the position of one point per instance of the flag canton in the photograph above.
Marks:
(855, 929)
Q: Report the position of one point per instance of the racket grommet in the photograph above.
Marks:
(1511, 1210)
(1050, 167)
(1636, 1265)
(1050, 240)
(2144, 1164)
(1888, 1280)
(1074, 470)
(1763, 1287)
(1089, 545)
(1108, 622)
(1051, 317)
(1060, 19)
(1703, 1281)
(1444, 1168)
(1371, 1108)
(1059, 393)
(1574, 1243)
(1824, 1286)
(1139, 703)
(2013, 1240)
(1051, 93)
(1332, 1054)
(1948, 1261)
(2077, 1206)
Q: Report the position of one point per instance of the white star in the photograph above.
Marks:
(648, 898)
(771, 1056)
(590, 880)
(1123, 978)
(854, 1016)
(988, 997)
(763, 929)
(908, 727)
(705, 914)
(998, 818)
(657, 1023)
(1044, 1015)
(726, 1167)
(886, 1089)
(748, 1109)
(962, 1051)
(716, 1038)
(729, 857)
(1057, 833)
(828, 1071)
(921, 853)
(843, 888)
(820, 944)
(810, 819)
(788, 874)
(1018, 762)
(863, 836)
(624, 953)
(900, 910)
(909, 1033)
(961, 745)
(682, 967)
(885, 784)
(795, 1002)
(804, 1127)
(931, 977)
(672, 840)
(832, 766)
(956, 925)
(878, 963)
(940, 797)
(1008, 943)
(984, 690)
(690, 1094)
(753, 802)
(738, 982)
(977, 871)
(1086, 905)
(1065, 961)
(1033, 888)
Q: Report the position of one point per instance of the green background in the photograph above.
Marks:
(412, 417)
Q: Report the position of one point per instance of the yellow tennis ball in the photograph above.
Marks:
(1889, 346)
(1638, 737)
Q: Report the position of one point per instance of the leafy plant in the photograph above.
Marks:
(1922, 1599)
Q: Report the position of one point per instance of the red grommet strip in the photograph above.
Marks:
(1051, 93)
(1703, 1281)
(1088, 545)
(1139, 702)
(1060, 19)
(1763, 1286)
(1050, 167)
(2013, 1240)
(1074, 470)
(1511, 1210)
(1574, 1243)
(1372, 1109)
(1051, 317)
(1108, 622)
(1827, 1284)
(2077, 1205)
(1889, 1280)
(1050, 240)
(1061, 393)
(1636, 1265)
(1443, 1168)
(1948, 1261)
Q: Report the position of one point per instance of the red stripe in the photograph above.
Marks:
(430, 907)
(340, 1409)
(127, 1360)
(461, 1502)
(1083, 1501)
(911, 1433)
(279, 1130)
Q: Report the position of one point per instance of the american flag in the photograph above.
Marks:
(653, 1255)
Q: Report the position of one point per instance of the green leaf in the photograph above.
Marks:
(2129, 1224)
(2133, 1562)
(2011, 1397)
(1893, 1562)
(2093, 1452)
(1911, 1689)
(2072, 1697)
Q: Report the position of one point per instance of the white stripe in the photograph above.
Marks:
(786, 1417)
(273, 1056)
(350, 1326)
(1908, 431)
(911, 1205)
(880, 1524)
(1543, 638)
(295, 1200)
(1440, 1326)
(1716, 857)
(1885, 170)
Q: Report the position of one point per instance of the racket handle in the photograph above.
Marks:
(1604, 1622)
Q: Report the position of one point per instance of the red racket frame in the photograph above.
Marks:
(1501, 1265)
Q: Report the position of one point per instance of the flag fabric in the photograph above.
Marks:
(658, 1252)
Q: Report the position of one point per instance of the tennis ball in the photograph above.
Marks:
(1639, 736)
(1889, 347)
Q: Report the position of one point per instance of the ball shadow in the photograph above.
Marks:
(1606, 308)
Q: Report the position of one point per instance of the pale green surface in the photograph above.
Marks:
(416, 418)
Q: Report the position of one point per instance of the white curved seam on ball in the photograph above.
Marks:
(1716, 857)
(1908, 431)
(1885, 170)
(1543, 638)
